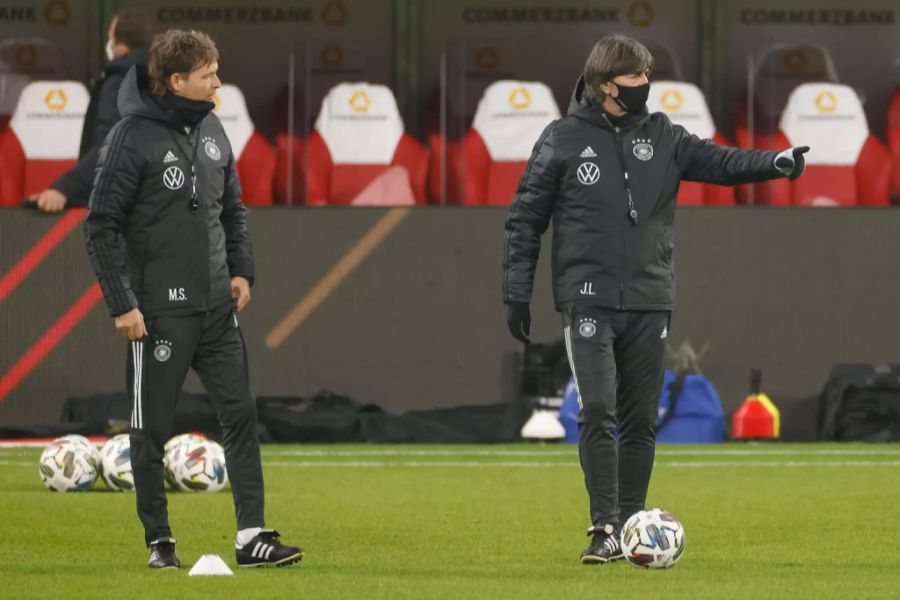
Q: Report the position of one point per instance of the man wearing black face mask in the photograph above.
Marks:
(167, 236)
(607, 175)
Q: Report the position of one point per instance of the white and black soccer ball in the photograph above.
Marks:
(171, 454)
(79, 440)
(198, 466)
(115, 464)
(181, 439)
(653, 539)
(69, 465)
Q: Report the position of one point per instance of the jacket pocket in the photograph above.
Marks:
(665, 249)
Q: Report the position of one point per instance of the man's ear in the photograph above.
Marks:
(607, 88)
(175, 82)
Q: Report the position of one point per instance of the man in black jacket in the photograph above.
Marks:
(129, 35)
(167, 236)
(607, 175)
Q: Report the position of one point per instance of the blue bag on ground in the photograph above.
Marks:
(697, 416)
(568, 413)
(697, 419)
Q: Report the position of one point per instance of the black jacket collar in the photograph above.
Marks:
(582, 108)
(135, 98)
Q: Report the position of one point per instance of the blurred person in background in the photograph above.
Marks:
(607, 175)
(129, 36)
(166, 233)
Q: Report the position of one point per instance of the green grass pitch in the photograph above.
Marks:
(762, 521)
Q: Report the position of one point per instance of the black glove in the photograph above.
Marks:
(791, 161)
(518, 317)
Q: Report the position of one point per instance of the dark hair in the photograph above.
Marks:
(134, 27)
(178, 51)
(612, 56)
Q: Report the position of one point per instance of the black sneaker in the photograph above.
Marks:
(162, 554)
(605, 546)
(266, 550)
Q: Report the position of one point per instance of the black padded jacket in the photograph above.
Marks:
(610, 191)
(152, 246)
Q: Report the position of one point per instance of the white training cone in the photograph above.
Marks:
(210, 564)
(543, 426)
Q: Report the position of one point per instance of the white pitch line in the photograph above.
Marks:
(781, 452)
(664, 451)
(779, 463)
(539, 464)
(546, 464)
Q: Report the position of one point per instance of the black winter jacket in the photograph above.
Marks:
(102, 114)
(150, 244)
(610, 191)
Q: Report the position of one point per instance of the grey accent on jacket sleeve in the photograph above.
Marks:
(118, 175)
(529, 216)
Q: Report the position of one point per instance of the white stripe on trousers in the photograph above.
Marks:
(137, 351)
(567, 333)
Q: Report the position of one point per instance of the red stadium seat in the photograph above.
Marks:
(356, 146)
(846, 165)
(510, 117)
(254, 154)
(291, 130)
(779, 70)
(22, 60)
(290, 155)
(42, 139)
(893, 136)
(446, 166)
(685, 105)
(457, 98)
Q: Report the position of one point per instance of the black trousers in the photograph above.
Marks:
(617, 358)
(157, 365)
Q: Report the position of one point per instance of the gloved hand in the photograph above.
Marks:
(791, 161)
(518, 318)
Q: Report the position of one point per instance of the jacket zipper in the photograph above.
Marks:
(197, 207)
(632, 216)
(195, 198)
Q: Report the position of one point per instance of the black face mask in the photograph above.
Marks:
(633, 100)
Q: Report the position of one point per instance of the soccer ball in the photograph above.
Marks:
(115, 464)
(169, 451)
(198, 466)
(69, 465)
(79, 440)
(181, 439)
(653, 539)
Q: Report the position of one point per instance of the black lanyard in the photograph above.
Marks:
(632, 211)
(195, 199)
